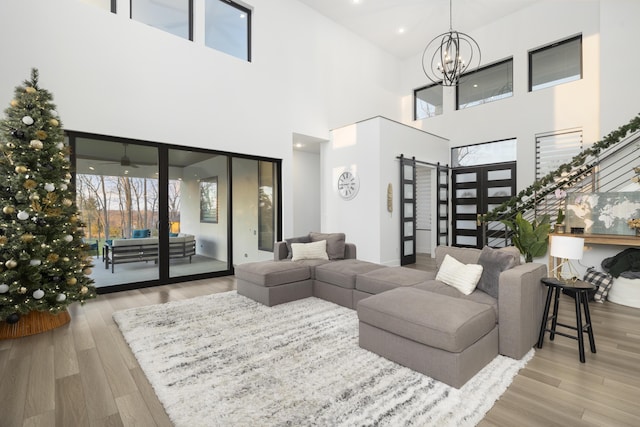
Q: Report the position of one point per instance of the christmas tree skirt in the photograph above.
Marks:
(33, 323)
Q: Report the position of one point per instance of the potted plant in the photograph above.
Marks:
(531, 238)
(559, 227)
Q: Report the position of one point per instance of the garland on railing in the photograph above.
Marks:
(525, 196)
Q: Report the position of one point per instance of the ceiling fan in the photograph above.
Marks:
(125, 160)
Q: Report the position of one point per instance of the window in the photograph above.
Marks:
(555, 149)
(108, 5)
(228, 28)
(427, 102)
(555, 64)
(484, 154)
(487, 84)
(172, 16)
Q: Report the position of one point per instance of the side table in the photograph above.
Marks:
(581, 289)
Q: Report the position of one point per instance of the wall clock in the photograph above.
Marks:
(348, 185)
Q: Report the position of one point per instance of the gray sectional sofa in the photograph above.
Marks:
(408, 316)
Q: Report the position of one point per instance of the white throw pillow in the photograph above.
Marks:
(463, 277)
(313, 250)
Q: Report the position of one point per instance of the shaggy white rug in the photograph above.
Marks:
(225, 360)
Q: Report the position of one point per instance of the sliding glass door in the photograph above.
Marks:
(157, 214)
(198, 204)
(117, 193)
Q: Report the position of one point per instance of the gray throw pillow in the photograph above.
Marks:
(335, 243)
(300, 239)
(493, 262)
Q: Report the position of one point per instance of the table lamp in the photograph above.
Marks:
(566, 248)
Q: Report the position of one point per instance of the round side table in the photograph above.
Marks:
(581, 289)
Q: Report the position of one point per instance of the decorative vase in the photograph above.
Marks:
(559, 229)
(33, 323)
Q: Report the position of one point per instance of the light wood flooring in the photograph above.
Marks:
(83, 374)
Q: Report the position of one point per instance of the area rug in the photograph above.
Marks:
(225, 360)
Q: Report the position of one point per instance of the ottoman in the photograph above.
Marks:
(446, 338)
(273, 282)
(378, 281)
(335, 281)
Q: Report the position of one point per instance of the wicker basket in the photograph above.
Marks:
(33, 323)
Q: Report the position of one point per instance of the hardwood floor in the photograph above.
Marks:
(83, 373)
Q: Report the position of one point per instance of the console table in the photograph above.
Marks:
(596, 239)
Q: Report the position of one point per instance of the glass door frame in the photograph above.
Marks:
(163, 203)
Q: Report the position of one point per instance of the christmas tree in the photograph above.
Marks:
(44, 263)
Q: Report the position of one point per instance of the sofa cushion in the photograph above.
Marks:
(335, 243)
(493, 262)
(464, 255)
(313, 250)
(312, 264)
(463, 277)
(377, 281)
(343, 273)
(272, 273)
(444, 289)
(451, 324)
(299, 239)
(145, 232)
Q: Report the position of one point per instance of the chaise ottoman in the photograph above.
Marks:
(273, 282)
(446, 338)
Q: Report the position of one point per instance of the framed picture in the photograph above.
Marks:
(603, 213)
(209, 200)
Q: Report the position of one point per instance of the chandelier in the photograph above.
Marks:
(448, 56)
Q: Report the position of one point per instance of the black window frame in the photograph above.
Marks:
(468, 77)
(247, 11)
(551, 46)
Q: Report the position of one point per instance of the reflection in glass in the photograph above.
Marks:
(266, 237)
(227, 28)
(499, 191)
(408, 247)
(466, 209)
(171, 16)
(209, 200)
(499, 174)
(408, 191)
(408, 228)
(408, 210)
(466, 193)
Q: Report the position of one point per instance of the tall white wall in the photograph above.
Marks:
(604, 99)
(525, 114)
(115, 76)
(306, 192)
(370, 149)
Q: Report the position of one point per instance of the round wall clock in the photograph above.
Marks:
(348, 185)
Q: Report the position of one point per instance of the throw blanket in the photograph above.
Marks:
(626, 261)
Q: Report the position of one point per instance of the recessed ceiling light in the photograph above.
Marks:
(92, 168)
(299, 145)
(401, 30)
(356, 1)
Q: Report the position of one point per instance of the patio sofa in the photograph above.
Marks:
(413, 317)
(120, 251)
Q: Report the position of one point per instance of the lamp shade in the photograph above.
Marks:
(567, 247)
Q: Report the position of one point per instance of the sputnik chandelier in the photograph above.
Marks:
(448, 56)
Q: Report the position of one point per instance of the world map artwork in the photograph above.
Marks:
(603, 213)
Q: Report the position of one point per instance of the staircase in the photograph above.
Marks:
(609, 165)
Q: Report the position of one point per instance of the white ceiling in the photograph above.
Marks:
(380, 21)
